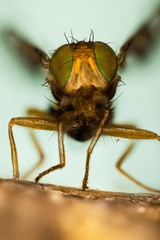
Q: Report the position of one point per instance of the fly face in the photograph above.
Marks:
(83, 65)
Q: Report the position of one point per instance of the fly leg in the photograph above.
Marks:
(120, 162)
(42, 115)
(141, 42)
(34, 123)
(61, 154)
(131, 133)
(91, 147)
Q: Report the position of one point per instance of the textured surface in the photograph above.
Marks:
(45, 212)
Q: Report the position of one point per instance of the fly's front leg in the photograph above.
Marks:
(91, 147)
(132, 133)
(32, 112)
(141, 42)
(34, 123)
(61, 154)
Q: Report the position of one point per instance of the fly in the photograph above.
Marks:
(83, 78)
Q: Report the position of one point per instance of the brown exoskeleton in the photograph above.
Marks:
(83, 78)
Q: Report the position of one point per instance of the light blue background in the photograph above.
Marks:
(44, 23)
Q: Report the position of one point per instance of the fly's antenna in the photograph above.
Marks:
(73, 38)
(91, 36)
(66, 38)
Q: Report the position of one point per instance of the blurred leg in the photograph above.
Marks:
(44, 115)
(132, 133)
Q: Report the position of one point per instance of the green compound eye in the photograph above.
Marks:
(106, 60)
(61, 64)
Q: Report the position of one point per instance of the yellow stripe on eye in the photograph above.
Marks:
(61, 64)
(106, 60)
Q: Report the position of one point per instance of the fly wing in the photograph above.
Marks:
(142, 41)
(31, 55)
(147, 35)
